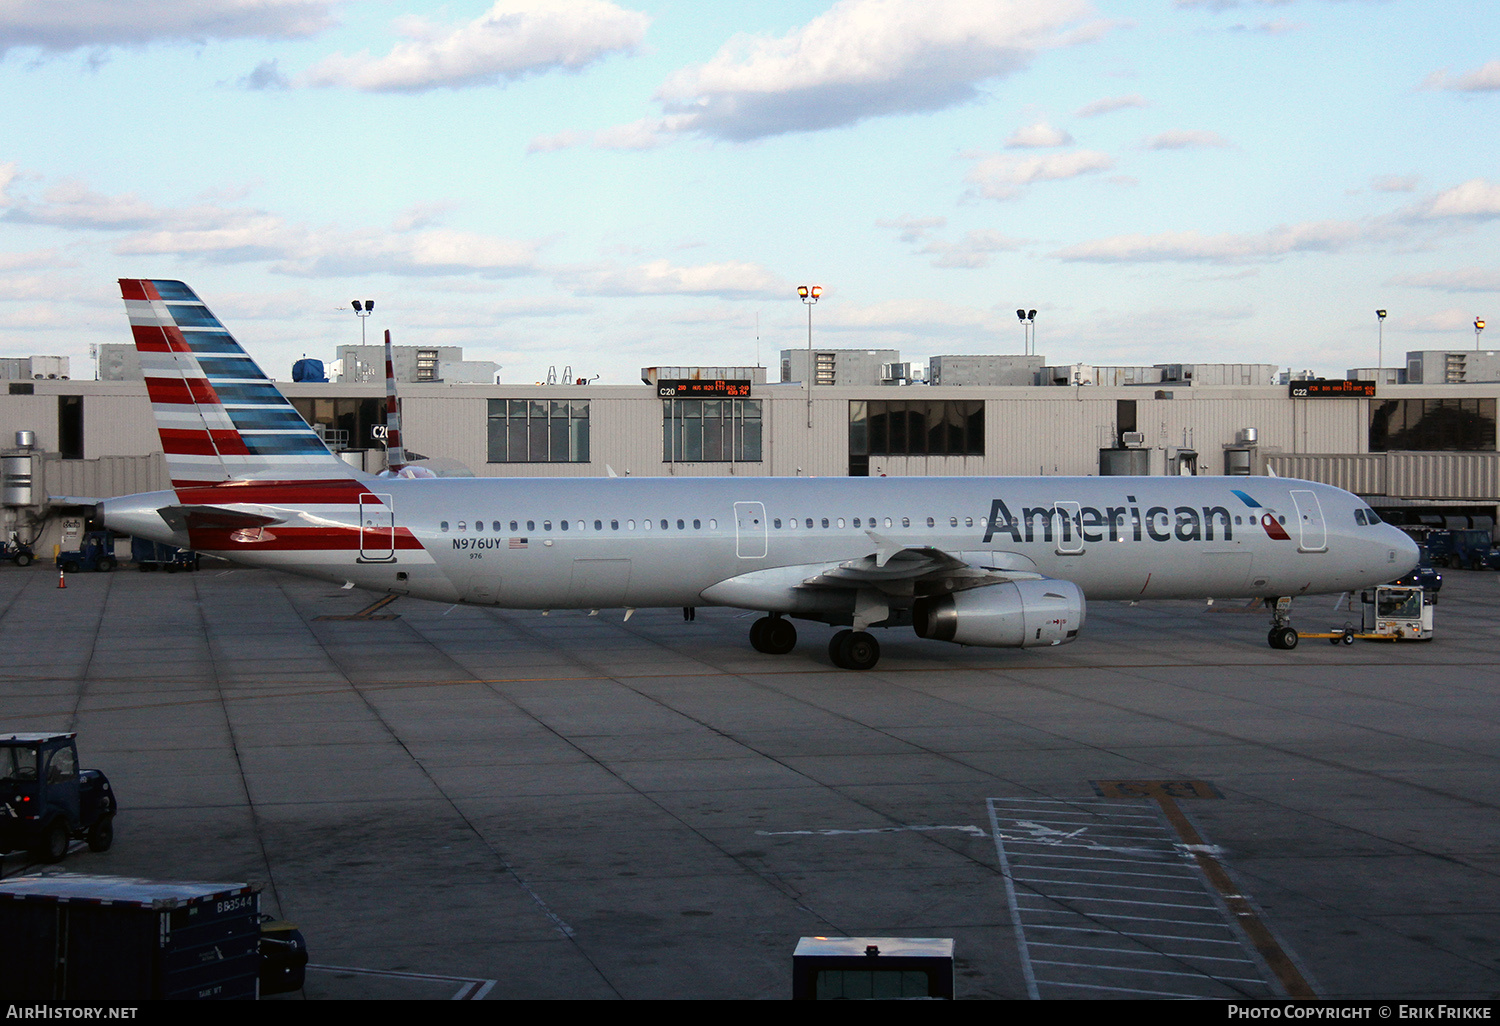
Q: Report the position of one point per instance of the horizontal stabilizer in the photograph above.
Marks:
(184, 518)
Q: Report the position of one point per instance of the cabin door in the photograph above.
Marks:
(750, 538)
(377, 529)
(1314, 537)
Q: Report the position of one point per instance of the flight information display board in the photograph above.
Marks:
(705, 389)
(1331, 389)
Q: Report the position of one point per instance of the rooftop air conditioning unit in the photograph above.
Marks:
(1134, 439)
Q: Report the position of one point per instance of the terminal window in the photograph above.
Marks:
(1432, 425)
(538, 431)
(916, 427)
(711, 430)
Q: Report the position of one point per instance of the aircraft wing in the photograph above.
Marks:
(182, 518)
(891, 573)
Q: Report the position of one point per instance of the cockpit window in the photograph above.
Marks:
(1359, 517)
(1372, 516)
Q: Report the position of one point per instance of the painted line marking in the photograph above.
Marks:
(470, 989)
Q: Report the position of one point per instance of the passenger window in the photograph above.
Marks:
(562, 525)
(825, 522)
(698, 525)
(887, 521)
(953, 521)
(680, 525)
(531, 525)
(792, 524)
(614, 525)
(546, 525)
(514, 526)
(713, 525)
(841, 522)
(931, 522)
(664, 525)
(496, 525)
(479, 525)
(856, 521)
(776, 523)
(598, 525)
(968, 521)
(463, 525)
(810, 523)
(646, 525)
(630, 525)
(443, 527)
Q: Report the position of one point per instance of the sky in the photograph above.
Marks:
(597, 186)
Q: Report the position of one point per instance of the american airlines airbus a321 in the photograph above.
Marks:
(993, 561)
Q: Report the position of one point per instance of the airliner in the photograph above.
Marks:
(1005, 562)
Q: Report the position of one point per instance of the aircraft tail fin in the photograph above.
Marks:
(221, 419)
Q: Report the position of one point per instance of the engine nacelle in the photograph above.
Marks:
(1015, 614)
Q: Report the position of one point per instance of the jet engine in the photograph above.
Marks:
(1014, 614)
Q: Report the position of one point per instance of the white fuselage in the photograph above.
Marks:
(640, 542)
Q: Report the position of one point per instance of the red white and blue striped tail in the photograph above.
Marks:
(220, 417)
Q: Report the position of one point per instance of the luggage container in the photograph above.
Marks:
(68, 937)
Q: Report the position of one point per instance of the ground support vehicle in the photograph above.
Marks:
(18, 553)
(46, 800)
(1391, 612)
(96, 553)
(66, 937)
(149, 555)
(1460, 548)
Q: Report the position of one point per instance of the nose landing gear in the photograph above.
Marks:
(1283, 635)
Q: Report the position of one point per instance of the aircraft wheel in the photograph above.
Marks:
(758, 633)
(1284, 638)
(861, 651)
(836, 649)
(778, 637)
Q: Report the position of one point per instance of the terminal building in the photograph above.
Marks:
(1420, 452)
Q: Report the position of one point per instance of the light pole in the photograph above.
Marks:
(1028, 330)
(1478, 327)
(363, 311)
(1380, 352)
(809, 295)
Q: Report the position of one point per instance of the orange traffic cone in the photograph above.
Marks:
(62, 578)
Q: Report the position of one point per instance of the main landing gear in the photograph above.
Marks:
(854, 650)
(1283, 635)
(773, 635)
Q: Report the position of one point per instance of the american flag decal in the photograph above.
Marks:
(518, 543)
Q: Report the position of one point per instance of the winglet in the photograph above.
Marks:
(885, 548)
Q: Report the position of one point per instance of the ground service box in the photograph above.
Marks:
(67, 937)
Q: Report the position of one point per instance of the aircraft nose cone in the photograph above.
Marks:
(1407, 553)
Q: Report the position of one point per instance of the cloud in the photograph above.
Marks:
(1184, 140)
(730, 280)
(61, 25)
(1110, 104)
(864, 59)
(513, 38)
(1038, 136)
(973, 251)
(913, 229)
(1195, 247)
(1394, 183)
(267, 75)
(1467, 279)
(8, 173)
(1475, 200)
(1001, 176)
(1481, 80)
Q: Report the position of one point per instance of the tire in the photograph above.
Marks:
(1289, 638)
(52, 843)
(758, 634)
(102, 834)
(23, 560)
(1348, 637)
(170, 568)
(104, 565)
(70, 567)
(860, 651)
(779, 637)
(836, 649)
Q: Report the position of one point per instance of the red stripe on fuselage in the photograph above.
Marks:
(280, 538)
